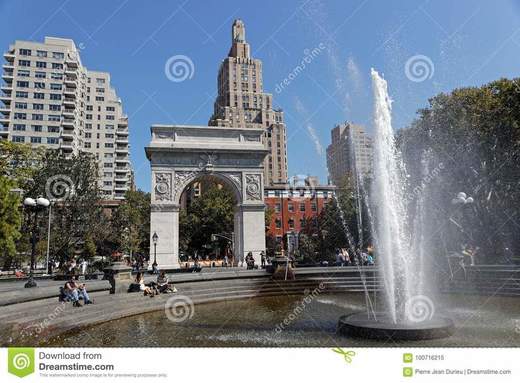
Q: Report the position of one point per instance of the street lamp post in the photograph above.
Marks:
(34, 205)
(155, 238)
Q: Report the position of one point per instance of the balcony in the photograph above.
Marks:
(8, 76)
(125, 159)
(69, 103)
(4, 120)
(68, 122)
(68, 135)
(5, 110)
(122, 131)
(6, 98)
(122, 169)
(122, 186)
(8, 88)
(122, 149)
(72, 74)
(122, 140)
(4, 132)
(8, 66)
(71, 62)
(69, 93)
(70, 83)
(68, 113)
(9, 56)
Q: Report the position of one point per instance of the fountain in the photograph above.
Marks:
(409, 313)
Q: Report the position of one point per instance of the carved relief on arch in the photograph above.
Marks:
(253, 187)
(163, 187)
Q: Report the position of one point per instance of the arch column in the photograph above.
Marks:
(164, 221)
(250, 230)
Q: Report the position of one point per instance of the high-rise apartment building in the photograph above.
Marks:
(241, 102)
(50, 99)
(350, 149)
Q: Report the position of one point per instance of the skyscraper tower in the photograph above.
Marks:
(241, 102)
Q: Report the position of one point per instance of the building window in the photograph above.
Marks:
(58, 55)
(291, 207)
(41, 64)
(24, 63)
(20, 105)
(38, 106)
(54, 117)
(53, 129)
(39, 96)
(36, 140)
(20, 116)
(55, 86)
(19, 127)
(302, 206)
(40, 74)
(291, 223)
(278, 223)
(52, 140)
(22, 84)
(24, 73)
(18, 139)
(37, 128)
(39, 85)
(277, 207)
(22, 94)
(313, 206)
(41, 53)
(37, 117)
(54, 96)
(55, 107)
(57, 66)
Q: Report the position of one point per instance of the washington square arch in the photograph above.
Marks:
(180, 155)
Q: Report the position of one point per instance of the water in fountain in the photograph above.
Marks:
(399, 245)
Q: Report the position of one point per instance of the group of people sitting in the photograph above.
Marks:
(162, 286)
(73, 291)
(361, 258)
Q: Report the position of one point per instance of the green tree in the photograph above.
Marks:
(474, 133)
(71, 183)
(131, 222)
(19, 162)
(211, 213)
(10, 220)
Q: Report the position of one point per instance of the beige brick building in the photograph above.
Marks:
(50, 99)
(241, 102)
(350, 145)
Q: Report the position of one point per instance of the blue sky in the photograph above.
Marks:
(461, 43)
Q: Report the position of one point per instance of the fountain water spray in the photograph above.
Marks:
(399, 243)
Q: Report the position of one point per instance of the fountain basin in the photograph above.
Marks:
(360, 326)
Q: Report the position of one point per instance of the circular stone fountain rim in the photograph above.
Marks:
(358, 325)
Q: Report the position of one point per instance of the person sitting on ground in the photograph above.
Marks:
(163, 284)
(139, 279)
